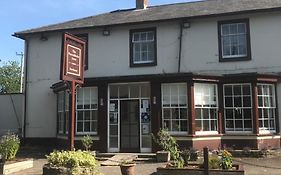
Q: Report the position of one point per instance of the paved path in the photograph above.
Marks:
(253, 166)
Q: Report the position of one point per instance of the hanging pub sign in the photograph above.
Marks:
(73, 58)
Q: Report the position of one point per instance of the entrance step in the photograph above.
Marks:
(119, 158)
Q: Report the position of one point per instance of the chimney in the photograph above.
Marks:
(141, 4)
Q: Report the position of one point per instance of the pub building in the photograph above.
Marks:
(207, 73)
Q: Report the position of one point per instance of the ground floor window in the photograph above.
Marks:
(267, 107)
(62, 112)
(238, 107)
(206, 107)
(174, 107)
(87, 110)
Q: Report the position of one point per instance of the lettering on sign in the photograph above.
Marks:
(73, 60)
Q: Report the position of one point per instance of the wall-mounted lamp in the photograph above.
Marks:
(106, 32)
(186, 25)
(154, 100)
(101, 102)
(43, 37)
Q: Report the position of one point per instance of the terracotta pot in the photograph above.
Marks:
(128, 169)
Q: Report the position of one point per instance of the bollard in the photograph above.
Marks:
(206, 160)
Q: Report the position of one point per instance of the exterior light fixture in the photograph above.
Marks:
(106, 32)
(186, 25)
(43, 37)
(154, 100)
(101, 102)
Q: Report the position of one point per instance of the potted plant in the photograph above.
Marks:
(127, 167)
(170, 148)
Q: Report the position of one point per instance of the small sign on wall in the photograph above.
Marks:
(73, 58)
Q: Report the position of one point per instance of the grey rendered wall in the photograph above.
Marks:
(11, 110)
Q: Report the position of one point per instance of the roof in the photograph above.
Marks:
(162, 13)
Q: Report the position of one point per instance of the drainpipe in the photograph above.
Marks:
(25, 88)
(180, 47)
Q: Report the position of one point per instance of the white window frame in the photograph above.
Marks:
(263, 96)
(143, 43)
(88, 109)
(238, 130)
(60, 112)
(209, 107)
(175, 107)
(236, 35)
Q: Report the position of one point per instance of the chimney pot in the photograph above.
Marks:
(141, 4)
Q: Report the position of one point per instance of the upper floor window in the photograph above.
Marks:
(143, 47)
(234, 40)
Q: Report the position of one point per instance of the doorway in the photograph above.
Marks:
(129, 126)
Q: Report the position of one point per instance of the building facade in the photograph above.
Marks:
(206, 71)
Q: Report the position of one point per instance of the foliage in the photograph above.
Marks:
(226, 159)
(80, 162)
(9, 146)
(87, 142)
(214, 162)
(10, 77)
(185, 154)
(168, 143)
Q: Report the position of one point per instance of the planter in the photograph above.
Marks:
(238, 170)
(163, 156)
(16, 166)
(51, 170)
(128, 169)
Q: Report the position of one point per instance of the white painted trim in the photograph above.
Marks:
(198, 138)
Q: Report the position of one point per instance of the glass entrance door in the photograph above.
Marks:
(129, 126)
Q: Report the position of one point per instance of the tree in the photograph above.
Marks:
(10, 77)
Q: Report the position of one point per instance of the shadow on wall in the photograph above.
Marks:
(11, 113)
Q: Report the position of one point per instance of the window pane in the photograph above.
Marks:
(225, 29)
(241, 28)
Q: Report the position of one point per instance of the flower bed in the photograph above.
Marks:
(194, 169)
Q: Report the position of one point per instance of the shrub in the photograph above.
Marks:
(168, 143)
(80, 162)
(226, 159)
(87, 142)
(9, 146)
(214, 162)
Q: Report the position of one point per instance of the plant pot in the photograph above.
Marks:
(163, 156)
(128, 169)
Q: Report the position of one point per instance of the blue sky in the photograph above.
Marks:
(18, 15)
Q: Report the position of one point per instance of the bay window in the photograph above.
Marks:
(87, 110)
(267, 107)
(206, 107)
(238, 107)
(174, 107)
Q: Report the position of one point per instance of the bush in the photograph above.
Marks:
(226, 159)
(214, 162)
(9, 146)
(80, 162)
(87, 142)
(168, 143)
